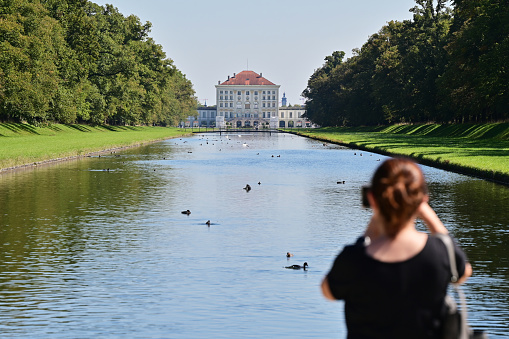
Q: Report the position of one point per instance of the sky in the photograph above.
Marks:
(285, 40)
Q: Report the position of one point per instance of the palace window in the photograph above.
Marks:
(291, 114)
(263, 92)
(238, 93)
(231, 104)
(221, 105)
(247, 92)
(273, 97)
(282, 115)
(263, 104)
(221, 97)
(248, 106)
(256, 92)
(220, 92)
(231, 97)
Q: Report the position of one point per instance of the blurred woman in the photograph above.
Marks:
(394, 279)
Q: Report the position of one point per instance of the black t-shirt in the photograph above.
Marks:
(393, 300)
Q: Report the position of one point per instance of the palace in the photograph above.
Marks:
(247, 99)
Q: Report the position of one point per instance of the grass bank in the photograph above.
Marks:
(477, 150)
(22, 144)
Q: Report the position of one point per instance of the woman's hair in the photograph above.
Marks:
(398, 187)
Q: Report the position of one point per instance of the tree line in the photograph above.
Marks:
(450, 63)
(73, 61)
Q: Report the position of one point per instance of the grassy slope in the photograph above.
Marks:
(22, 144)
(481, 150)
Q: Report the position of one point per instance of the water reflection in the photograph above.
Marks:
(98, 247)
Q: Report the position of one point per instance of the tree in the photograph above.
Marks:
(74, 61)
(477, 75)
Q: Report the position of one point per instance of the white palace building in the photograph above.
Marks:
(247, 99)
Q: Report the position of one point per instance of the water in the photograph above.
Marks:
(99, 248)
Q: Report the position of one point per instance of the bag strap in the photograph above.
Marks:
(446, 239)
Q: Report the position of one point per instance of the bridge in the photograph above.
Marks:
(232, 130)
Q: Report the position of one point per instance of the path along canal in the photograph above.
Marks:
(98, 247)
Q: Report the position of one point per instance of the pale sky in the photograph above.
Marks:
(286, 40)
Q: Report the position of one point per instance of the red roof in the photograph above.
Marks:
(247, 78)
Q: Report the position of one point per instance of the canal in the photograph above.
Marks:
(98, 247)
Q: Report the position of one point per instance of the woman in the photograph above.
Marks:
(394, 279)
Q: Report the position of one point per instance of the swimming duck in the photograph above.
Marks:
(341, 182)
(208, 223)
(288, 255)
(186, 212)
(247, 188)
(298, 267)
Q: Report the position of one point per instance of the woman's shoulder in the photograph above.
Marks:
(354, 250)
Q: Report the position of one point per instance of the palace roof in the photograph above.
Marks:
(247, 78)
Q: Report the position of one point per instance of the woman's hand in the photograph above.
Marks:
(430, 218)
(466, 275)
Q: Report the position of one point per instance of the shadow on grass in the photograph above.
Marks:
(54, 128)
(121, 128)
(17, 128)
(81, 128)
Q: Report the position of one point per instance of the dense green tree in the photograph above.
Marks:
(75, 61)
(319, 93)
(443, 65)
(28, 61)
(477, 75)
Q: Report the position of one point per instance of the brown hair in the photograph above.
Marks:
(398, 187)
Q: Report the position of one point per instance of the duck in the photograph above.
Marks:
(186, 212)
(341, 182)
(288, 255)
(247, 188)
(297, 267)
(208, 223)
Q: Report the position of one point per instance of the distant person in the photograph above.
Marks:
(394, 279)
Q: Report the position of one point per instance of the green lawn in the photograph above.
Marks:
(22, 144)
(481, 150)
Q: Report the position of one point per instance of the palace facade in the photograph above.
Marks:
(247, 99)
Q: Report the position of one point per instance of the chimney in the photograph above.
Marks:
(234, 74)
(228, 78)
(219, 82)
(261, 74)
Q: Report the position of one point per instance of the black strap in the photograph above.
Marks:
(446, 239)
